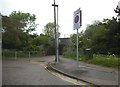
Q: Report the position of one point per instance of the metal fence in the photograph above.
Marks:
(22, 54)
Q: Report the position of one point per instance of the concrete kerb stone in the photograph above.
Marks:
(68, 75)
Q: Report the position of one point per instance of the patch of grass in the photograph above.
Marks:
(82, 58)
(105, 60)
(102, 60)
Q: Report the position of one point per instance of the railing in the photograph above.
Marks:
(22, 54)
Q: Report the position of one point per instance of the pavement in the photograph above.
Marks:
(93, 74)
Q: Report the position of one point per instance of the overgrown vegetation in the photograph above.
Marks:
(105, 60)
(102, 60)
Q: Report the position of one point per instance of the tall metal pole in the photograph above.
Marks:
(57, 38)
(55, 30)
(77, 46)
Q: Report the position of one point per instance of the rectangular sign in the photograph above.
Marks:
(77, 19)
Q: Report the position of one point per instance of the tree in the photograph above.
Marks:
(96, 33)
(49, 30)
(103, 37)
(12, 34)
(113, 35)
(17, 28)
(41, 40)
(26, 19)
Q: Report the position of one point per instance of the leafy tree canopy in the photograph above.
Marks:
(26, 19)
(49, 29)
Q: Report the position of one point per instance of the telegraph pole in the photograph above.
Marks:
(56, 48)
(58, 34)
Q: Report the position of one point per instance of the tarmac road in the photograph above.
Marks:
(22, 72)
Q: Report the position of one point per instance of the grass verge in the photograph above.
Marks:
(102, 60)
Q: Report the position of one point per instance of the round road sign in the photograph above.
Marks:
(76, 19)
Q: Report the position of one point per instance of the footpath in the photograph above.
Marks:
(93, 74)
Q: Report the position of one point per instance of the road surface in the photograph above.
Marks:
(23, 72)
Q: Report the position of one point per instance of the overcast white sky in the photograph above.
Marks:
(43, 9)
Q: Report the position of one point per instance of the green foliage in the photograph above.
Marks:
(105, 60)
(8, 53)
(49, 30)
(103, 37)
(69, 55)
(17, 27)
(82, 58)
(41, 40)
(26, 19)
(11, 36)
(101, 60)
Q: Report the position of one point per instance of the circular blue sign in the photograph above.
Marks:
(76, 19)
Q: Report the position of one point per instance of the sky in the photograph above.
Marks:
(91, 10)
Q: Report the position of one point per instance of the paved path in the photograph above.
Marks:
(88, 72)
(22, 72)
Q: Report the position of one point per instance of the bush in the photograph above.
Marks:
(8, 53)
(82, 58)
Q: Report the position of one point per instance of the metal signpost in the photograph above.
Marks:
(76, 25)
